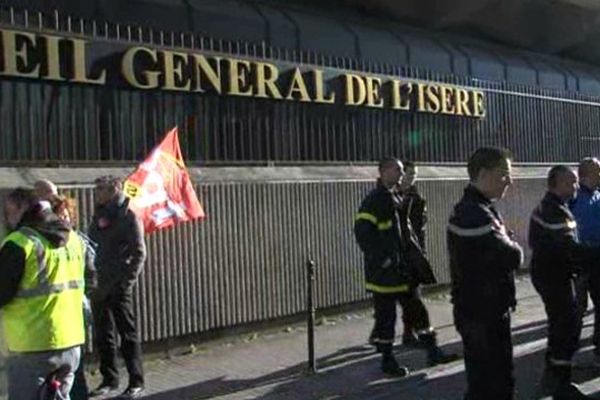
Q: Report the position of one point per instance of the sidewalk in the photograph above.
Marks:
(273, 365)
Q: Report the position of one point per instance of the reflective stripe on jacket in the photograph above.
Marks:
(483, 257)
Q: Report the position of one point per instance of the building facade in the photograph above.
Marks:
(283, 112)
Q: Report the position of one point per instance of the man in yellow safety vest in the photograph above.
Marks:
(41, 293)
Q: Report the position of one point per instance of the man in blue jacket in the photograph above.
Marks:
(586, 209)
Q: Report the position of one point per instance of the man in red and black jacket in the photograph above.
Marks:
(483, 258)
(393, 263)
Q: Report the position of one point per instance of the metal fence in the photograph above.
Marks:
(246, 262)
(51, 123)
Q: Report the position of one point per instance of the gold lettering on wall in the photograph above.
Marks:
(16, 47)
(266, 78)
(478, 106)
(80, 64)
(461, 101)
(356, 91)
(373, 96)
(52, 58)
(298, 86)
(213, 75)
(398, 103)
(239, 72)
(60, 58)
(447, 97)
(174, 62)
(128, 68)
(320, 96)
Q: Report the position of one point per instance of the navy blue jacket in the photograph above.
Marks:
(556, 253)
(483, 258)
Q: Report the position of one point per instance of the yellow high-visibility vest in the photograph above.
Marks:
(47, 312)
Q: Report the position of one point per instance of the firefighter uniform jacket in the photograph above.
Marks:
(417, 213)
(483, 258)
(556, 253)
(393, 259)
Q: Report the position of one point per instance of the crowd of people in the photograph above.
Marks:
(564, 237)
(58, 280)
(54, 276)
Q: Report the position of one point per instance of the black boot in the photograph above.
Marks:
(569, 391)
(435, 355)
(409, 339)
(390, 366)
(556, 381)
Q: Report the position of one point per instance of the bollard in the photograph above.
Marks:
(310, 309)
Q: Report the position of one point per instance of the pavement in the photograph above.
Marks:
(273, 364)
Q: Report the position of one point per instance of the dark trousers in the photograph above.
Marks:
(488, 357)
(563, 329)
(385, 315)
(584, 284)
(80, 389)
(114, 314)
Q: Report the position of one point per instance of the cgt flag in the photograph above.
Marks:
(160, 190)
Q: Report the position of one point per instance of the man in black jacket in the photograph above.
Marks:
(483, 258)
(392, 257)
(416, 210)
(555, 261)
(120, 256)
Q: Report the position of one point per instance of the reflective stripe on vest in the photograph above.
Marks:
(44, 288)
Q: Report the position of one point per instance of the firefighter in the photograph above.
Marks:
(416, 209)
(554, 263)
(393, 262)
(483, 258)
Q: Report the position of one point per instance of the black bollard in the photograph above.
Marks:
(310, 309)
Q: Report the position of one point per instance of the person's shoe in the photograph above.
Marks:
(570, 391)
(437, 356)
(410, 340)
(390, 366)
(132, 392)
(103, 389)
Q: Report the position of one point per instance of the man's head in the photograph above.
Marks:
(563, 182)
(391, 172)
(490, 171)
(45, 189)
(589, 172)
(16, 204)
(107, 188)
(410, 175)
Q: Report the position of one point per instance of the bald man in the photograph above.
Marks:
(586, 209)
(556, 259)
(45, 189)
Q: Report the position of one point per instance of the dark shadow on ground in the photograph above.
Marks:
(353, 373)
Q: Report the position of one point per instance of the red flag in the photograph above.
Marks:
(160, 190)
